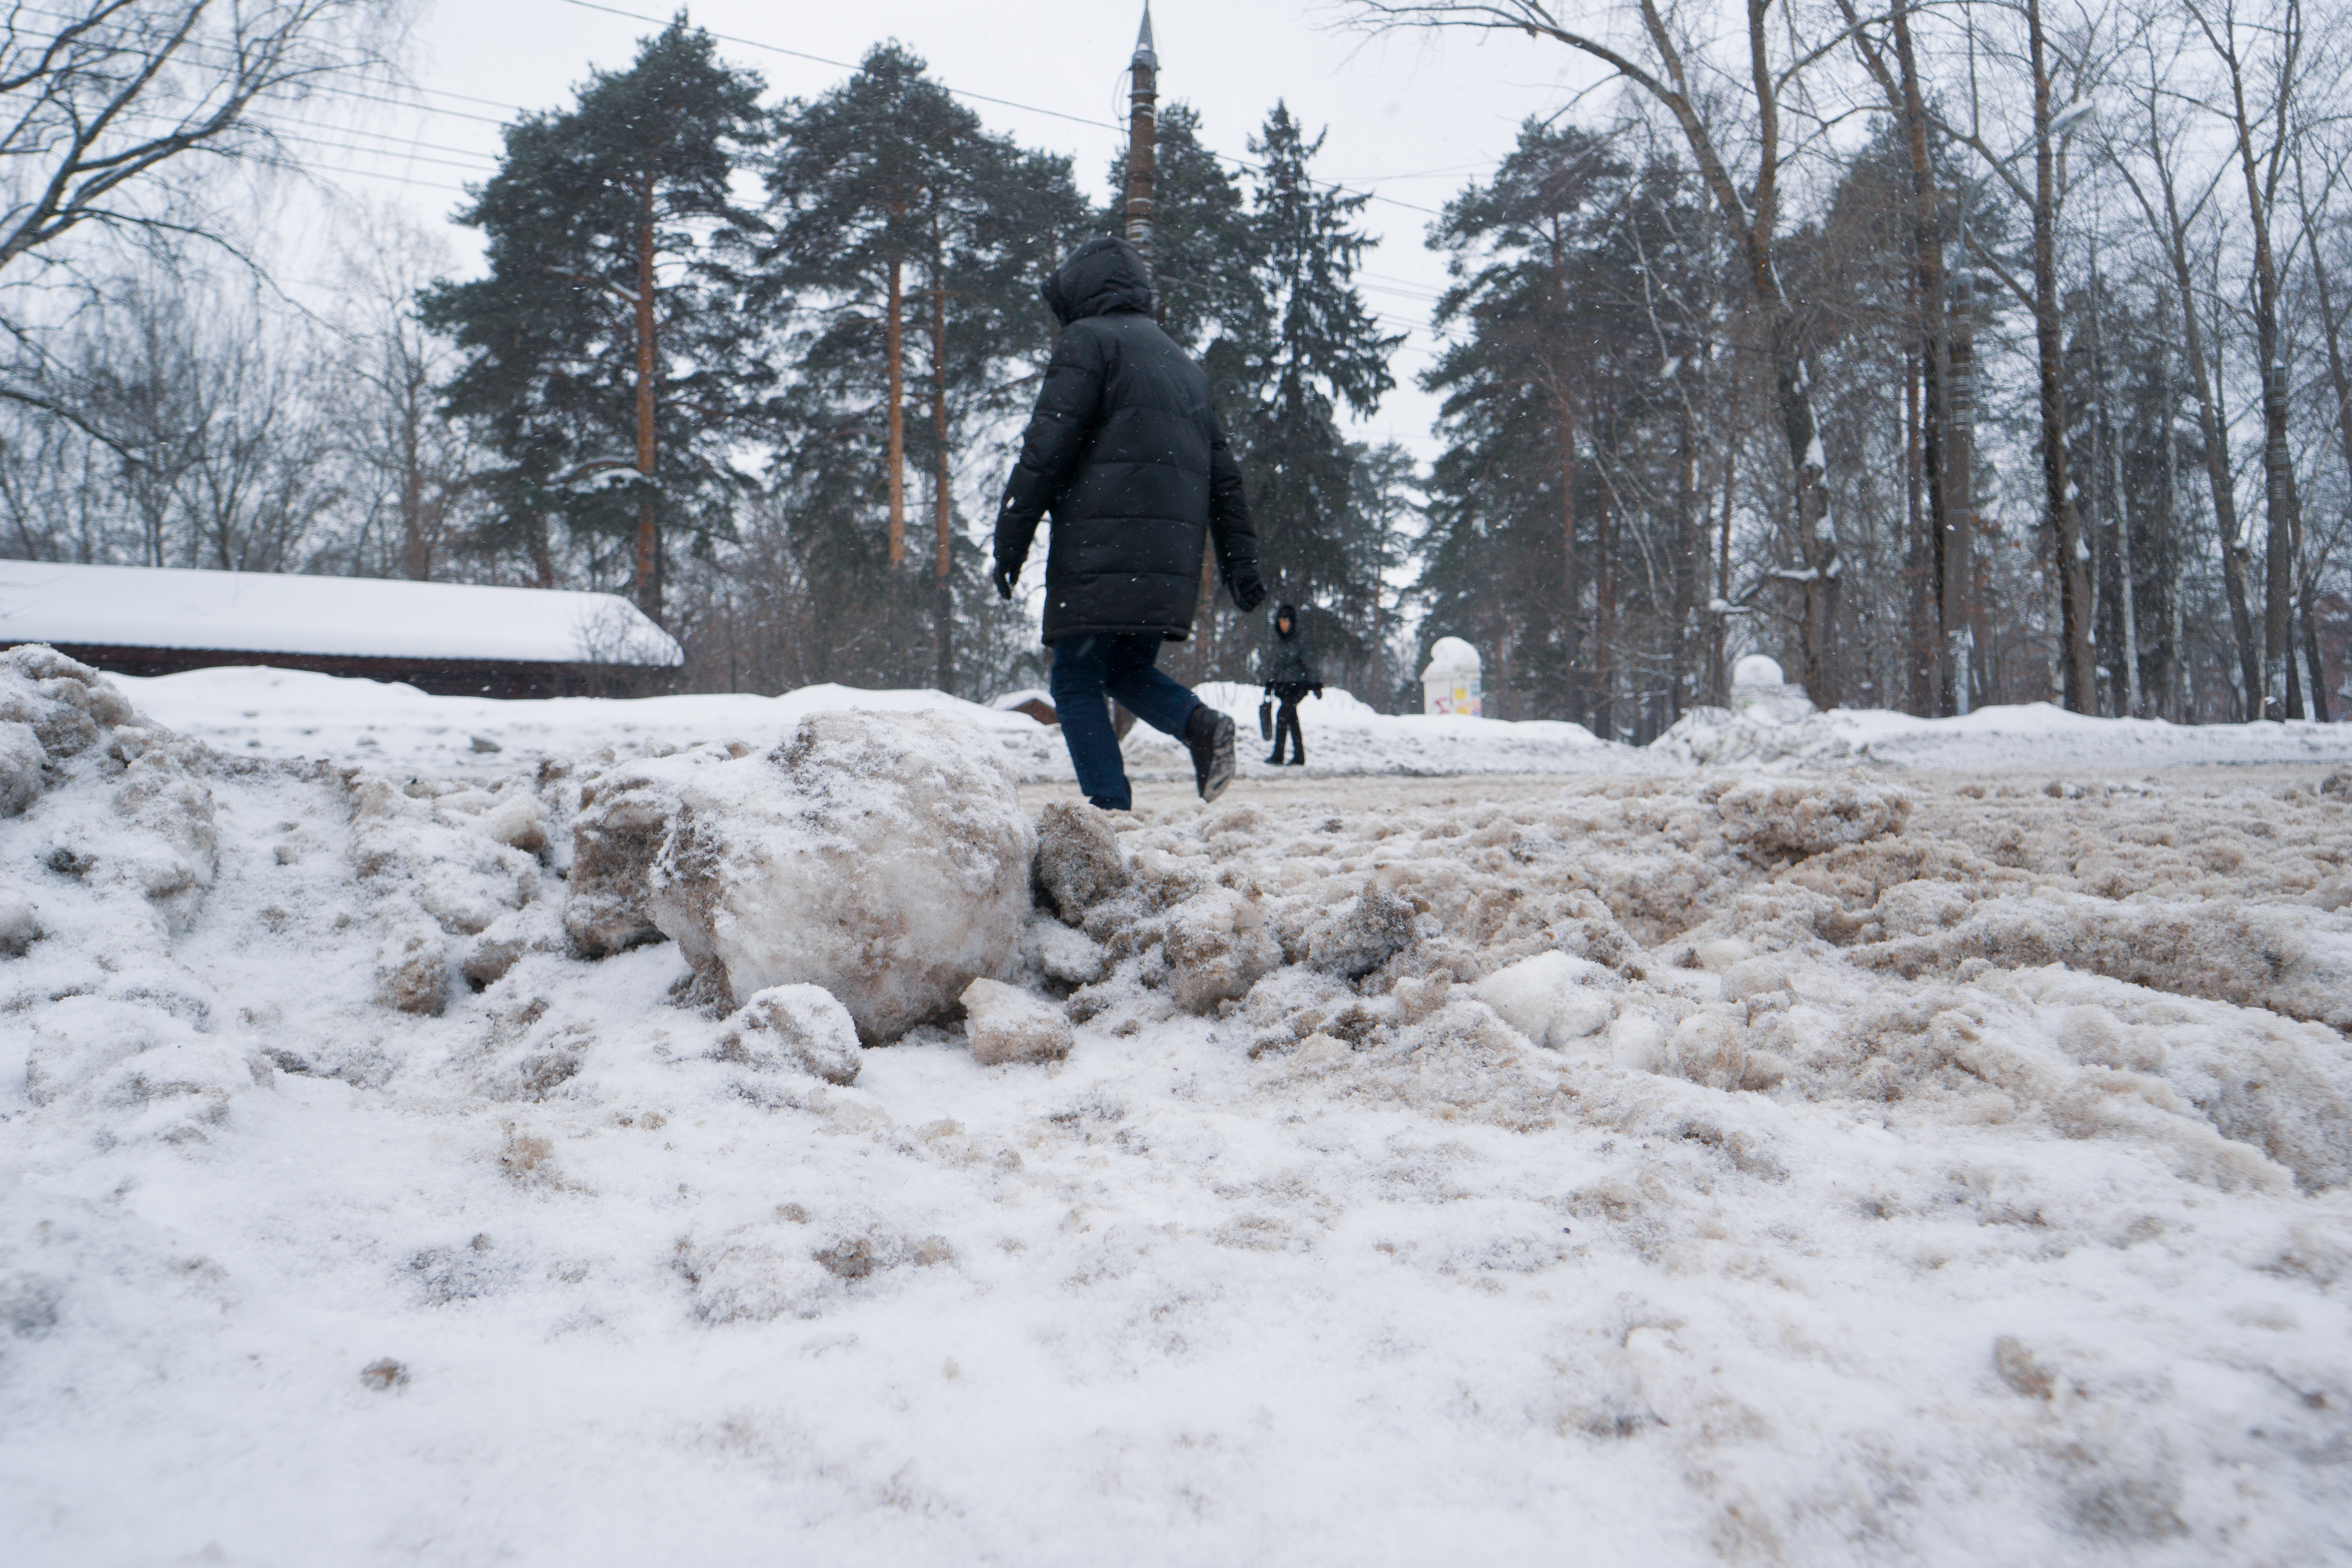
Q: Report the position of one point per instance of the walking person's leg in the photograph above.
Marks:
(1169, 707)
(1287, 723)
(1131, 675)
(1080, 668)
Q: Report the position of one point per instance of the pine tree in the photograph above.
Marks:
(605, 355)
(1324, 348)
(1208, 281)
(1508, 555)
(1381, 500)
(912, 243)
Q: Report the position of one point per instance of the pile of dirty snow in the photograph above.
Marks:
(2031, 735)
(482, 1163)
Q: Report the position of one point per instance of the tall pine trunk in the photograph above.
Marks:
(894, 350)
(648, 553)
(942, 492)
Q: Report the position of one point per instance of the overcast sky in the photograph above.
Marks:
(1410, 117)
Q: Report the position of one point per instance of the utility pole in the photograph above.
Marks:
(1142, 136)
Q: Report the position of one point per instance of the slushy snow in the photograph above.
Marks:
(1810, 1164)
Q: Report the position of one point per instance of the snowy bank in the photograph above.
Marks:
(2032, 735)
(281, 713)
(1691, 1170)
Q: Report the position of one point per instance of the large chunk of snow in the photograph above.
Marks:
(885, 858)
(1079, 862)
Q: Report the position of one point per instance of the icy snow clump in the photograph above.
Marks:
(1007, 1025)
(882, 856)
(795, 1025)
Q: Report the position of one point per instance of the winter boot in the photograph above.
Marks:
(1209, 734)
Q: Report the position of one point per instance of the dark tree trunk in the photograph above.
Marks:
(1936, 626)
(942, 490)
(2078, 675)
(649, 584)
(1918, 642)
(1956, 540)
(1687, 533)
(2281, 505)
(894, 349)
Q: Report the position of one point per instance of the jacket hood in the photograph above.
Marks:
(1285, 613)
(1101, 278)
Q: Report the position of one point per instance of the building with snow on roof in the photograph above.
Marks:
(447, 638)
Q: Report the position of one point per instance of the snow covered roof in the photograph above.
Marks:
(366, 617)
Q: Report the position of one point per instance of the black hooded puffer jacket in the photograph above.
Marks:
(1125, 450)
(1290, 658)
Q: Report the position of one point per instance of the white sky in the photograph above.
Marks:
(1411, 117)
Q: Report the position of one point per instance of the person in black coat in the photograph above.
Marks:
(1126, 451)
(1291, 674)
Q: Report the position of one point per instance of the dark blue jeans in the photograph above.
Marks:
(1087, 669)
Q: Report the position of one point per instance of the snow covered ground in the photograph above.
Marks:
(286, 713)
(1707, 1166)
(2031, 735)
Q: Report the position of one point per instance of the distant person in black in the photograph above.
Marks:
(1290, 675)
(1127, 452)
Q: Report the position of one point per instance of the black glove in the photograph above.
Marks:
(1249, 593)
(1004, 576)
(1319, 693)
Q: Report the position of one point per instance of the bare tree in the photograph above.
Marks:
(2173, 203)
(101, 95)
(1951, 537)
(113, 113)
(2062, 69)
(1664, 63)
(2264, 67)
(413, 466)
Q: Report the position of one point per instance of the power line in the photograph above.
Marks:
(982, 98)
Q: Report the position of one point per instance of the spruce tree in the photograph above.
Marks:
(910, 243)
(1324, 348)
(606, 358)
(1208, 282)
